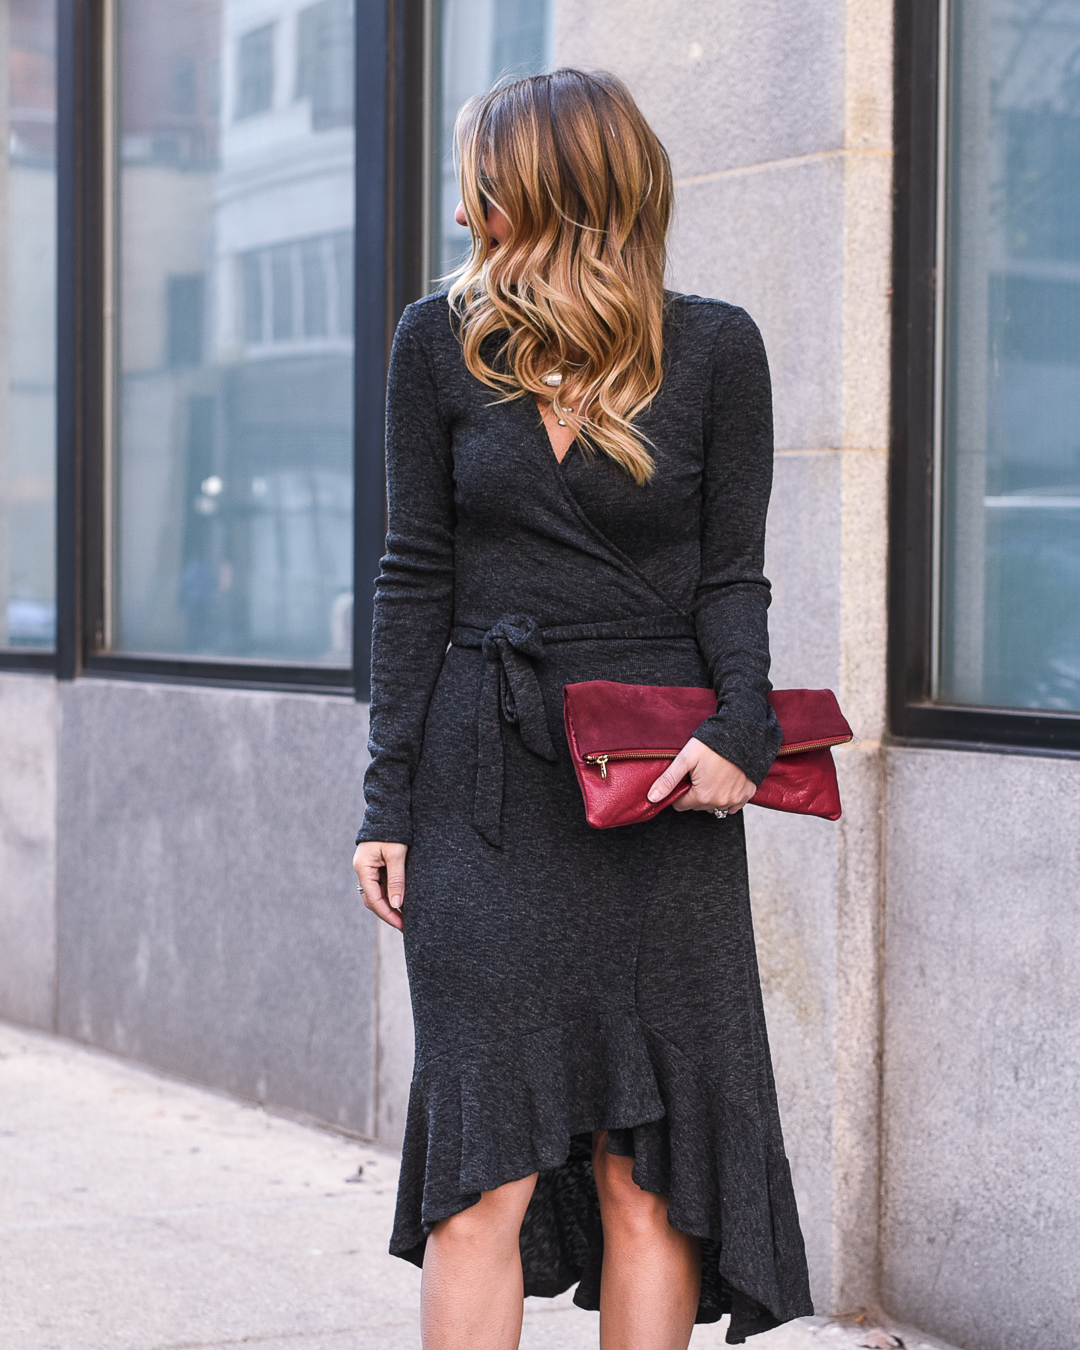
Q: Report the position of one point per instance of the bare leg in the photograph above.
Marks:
(652, 1273)
(471, 1294)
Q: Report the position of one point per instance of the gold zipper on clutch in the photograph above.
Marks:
(812, 745)
(601, 761)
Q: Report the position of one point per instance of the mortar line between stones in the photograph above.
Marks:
(377, 1094)
(882, 953)
(817, 157)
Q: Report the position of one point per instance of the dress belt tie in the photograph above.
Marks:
(511, 692)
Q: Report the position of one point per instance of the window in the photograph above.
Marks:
(985, 499)
(232, 463)
(218, 410)
(185, 74)
(255, 72)
(28, 330)
(479, 41)
(324, 66)
(184, 314)
(299, 292)
(1010, 413)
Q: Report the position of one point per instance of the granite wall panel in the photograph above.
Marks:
(981, 1108)
(208, 917)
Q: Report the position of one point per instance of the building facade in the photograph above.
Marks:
(211, 213)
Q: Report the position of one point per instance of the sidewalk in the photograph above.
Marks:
(139, 1213)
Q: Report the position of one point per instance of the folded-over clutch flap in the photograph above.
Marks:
(609, 717)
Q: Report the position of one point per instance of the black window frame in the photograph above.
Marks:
(914, 718)
(390, 198)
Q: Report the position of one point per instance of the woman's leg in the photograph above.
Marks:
(652, 1273)
(471, 1295)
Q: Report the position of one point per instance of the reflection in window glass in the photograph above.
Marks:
(255, 71)
(1010, 635)
(27, 325)
(324, 63)
(480, 40)
(234, 474)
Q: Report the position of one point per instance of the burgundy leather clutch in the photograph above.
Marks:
(622, 735)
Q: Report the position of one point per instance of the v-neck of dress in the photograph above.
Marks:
(560, 460)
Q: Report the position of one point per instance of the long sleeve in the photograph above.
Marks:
(732, 599)
(414, 594)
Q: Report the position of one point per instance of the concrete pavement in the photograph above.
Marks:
(142, 1213)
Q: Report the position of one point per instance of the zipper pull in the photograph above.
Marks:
(602, 761)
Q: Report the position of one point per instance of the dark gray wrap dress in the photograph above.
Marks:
(566, 979)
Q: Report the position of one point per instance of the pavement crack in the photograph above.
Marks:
(278, 1336)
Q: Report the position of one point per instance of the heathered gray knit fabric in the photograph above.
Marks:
(566, 979)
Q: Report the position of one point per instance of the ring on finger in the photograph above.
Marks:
(719, 813)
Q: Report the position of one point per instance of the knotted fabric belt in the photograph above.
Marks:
(511, 691)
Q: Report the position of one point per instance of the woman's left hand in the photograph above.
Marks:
(715, 783)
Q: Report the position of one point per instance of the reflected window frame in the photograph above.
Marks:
(915, 716)
(385, 264)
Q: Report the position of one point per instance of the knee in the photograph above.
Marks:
(624, 1206)
(465, 1237)
(494, 1220)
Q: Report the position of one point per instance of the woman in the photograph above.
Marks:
(578, 467)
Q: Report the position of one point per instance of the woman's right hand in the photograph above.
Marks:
(380, 869)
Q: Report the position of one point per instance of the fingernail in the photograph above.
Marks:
(395, 902)
(654, 795)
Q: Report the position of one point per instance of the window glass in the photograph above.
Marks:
(28, 325)
(1010, 547)
(478, 41)
(233, 465)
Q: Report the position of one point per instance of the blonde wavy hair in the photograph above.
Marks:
(578, 288)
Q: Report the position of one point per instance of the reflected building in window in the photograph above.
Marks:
(234, 463)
